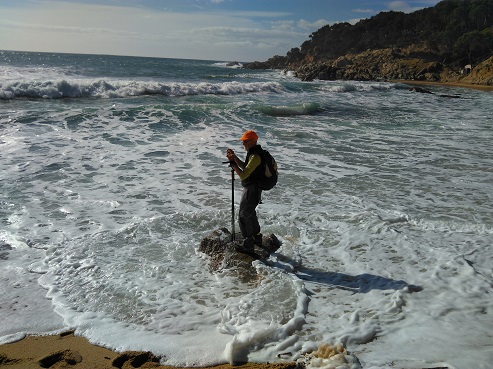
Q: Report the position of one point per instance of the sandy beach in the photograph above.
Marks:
(446, 84)
(67, 350)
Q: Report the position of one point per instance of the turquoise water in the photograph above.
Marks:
(111, 174)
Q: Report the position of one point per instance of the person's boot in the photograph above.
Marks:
(246, 245)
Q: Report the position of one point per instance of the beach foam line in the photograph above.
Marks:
(70, 350)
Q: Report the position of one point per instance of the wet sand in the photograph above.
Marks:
(67, 350)
(445, 84)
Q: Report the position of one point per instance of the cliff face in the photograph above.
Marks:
(385, 64)
(388, 64)
(433, 44)
(482, 74)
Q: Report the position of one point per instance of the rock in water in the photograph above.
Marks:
(223, 254)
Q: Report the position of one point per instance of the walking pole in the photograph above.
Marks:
(232, 203)
(231, 163)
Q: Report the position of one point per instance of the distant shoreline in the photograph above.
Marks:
(445, 84)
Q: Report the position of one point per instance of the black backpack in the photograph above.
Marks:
(268, 179)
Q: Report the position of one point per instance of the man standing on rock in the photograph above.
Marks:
(249, 171)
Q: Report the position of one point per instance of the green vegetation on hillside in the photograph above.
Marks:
(453, 33)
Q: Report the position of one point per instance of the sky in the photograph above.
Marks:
(222, 30)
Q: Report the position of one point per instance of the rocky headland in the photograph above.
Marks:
(386, 65)
(449, 43)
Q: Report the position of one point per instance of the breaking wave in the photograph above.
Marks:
(103, 89)
(360, 86)
(290, 110)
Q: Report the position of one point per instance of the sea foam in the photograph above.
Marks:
(114, 89)
(382, 208)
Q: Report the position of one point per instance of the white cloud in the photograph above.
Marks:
(303, 24)
(402, 6)
(369, 11)
(283, 25)
(59, 26)
(254, 14)
(91, 28)
(300, 26)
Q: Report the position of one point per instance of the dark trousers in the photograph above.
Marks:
(248, 216)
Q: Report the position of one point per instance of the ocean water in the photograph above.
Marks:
(111, 174)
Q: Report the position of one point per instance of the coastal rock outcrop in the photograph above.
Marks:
(222, 253)
(482, 74)
(390, 64)
(451, 42)
(374, 65)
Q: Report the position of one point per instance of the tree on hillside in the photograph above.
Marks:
(439, 27)
(474, 46)
(453, 31)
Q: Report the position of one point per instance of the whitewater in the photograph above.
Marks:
(111, 175)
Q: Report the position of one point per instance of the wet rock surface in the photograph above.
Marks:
(226, 254)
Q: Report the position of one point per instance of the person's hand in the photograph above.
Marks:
(230, 154)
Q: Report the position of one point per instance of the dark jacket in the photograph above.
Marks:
(257, 172)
